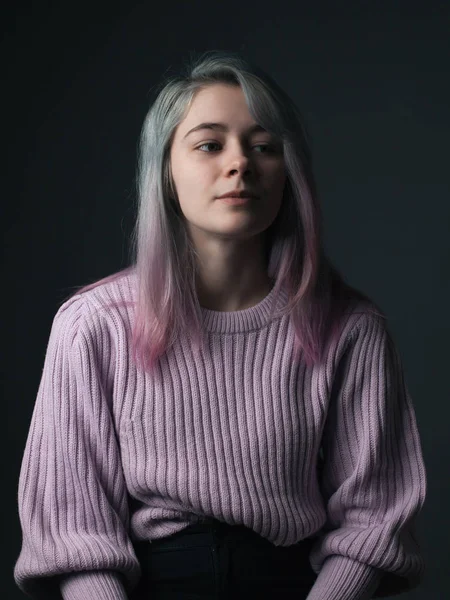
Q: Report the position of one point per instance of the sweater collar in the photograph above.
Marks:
(238, 321)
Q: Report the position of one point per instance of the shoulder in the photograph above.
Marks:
(365, 316)
(369, 335)
(364, 324)
(97, 308)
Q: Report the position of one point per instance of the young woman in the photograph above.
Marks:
(226, 416)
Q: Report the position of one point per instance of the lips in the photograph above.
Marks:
(236, 201)
(238, 194)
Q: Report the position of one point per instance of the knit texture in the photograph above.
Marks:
(244, 435)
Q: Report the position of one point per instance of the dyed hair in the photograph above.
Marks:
(163, 257)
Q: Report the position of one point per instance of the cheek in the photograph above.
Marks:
(275, 173)
(184, 178)
(277, 187)
(189, 169)
(278, 181)
(281, 174)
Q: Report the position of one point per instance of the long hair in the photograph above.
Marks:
(165, 261)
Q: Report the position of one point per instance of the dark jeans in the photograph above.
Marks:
(216, 561)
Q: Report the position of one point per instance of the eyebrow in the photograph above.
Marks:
(223, 127)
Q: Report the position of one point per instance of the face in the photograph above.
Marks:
(208, 162)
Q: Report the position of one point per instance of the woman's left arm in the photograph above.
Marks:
(373, 478)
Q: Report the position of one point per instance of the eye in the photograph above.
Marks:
(268, 147)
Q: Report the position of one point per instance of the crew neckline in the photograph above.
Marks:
(247, 319)
(238, 321)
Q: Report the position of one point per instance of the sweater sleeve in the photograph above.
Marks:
(373, 475)
(73, 504)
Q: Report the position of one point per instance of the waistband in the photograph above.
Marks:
(216, 526)
(213, 530)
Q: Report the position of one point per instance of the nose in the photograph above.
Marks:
(241, 163)
(242, 170)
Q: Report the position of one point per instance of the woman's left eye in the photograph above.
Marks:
(267, 146)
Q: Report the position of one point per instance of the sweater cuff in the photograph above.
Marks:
(101, 585)
(342, 578)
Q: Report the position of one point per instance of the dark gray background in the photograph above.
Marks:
(372, 79)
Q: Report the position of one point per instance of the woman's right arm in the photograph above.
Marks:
(72, 496)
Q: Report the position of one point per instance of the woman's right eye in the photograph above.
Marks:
(267, 146)
(207, 144)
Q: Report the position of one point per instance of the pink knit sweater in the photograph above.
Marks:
(114, 455)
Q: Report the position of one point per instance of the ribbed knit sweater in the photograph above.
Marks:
(244, 435)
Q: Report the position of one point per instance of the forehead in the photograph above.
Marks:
(222, 103)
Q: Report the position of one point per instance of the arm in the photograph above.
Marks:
(72, 495)
(374, 479)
